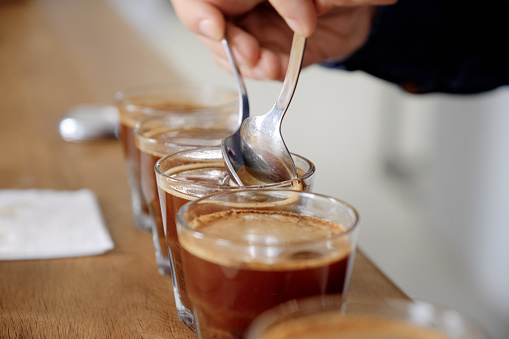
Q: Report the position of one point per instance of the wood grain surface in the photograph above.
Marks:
(55, 54)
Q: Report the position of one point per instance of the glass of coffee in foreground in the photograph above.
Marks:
(332, 317)
(192, 174)
(247, 251)
(166, 134)
(181, 99)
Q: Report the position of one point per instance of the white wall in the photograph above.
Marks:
(470, 191)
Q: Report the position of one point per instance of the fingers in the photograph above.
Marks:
(268, 67)
(253, 60)
(340, 32)
(300, 15)
(200, 17)
(245, 47)
(206, 19)
(260, 33)
(352, 3)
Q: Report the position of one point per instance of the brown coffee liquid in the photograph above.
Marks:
(151, 196)
(228, 290)
(159, 142)
(132, 157)
(335, 325)
(173, 199)
(211, 174)
(129, 119)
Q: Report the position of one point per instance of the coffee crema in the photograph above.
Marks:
(285, 239)
(334, 325)
(269, 257)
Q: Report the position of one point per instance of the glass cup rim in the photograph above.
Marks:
(333, 303)
(303, 177)
(121, 97)
(139, 134)
(349, 229)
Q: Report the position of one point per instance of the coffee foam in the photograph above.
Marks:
(266, 240)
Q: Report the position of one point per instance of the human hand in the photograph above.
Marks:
(261, 34)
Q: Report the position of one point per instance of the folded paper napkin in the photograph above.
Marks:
(45, 224)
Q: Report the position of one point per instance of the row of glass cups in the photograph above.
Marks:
(231, 252)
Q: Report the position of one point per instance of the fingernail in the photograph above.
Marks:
(241, 56)
(294, 25)
(260, 73)
(298, 27)
(208, 29)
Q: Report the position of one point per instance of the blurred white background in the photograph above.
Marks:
(428, 174)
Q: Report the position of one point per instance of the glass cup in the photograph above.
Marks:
(166, 134)
(247, 251)
(181, 99)
(333, 317)
(192, 174)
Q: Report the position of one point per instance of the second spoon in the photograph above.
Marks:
(257, 153)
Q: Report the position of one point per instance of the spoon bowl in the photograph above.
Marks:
(257, 153)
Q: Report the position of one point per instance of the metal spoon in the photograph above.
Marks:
(257, 153)
(89, 122)
(232, 143)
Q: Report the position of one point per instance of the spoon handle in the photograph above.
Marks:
(291, 77)
(241, 87)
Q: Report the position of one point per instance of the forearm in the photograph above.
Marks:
(437, 46)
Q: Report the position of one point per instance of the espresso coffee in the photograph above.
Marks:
(158, 142)
(132, 157)
(230, 285)
(336, 325)
(193, 174)
(136, 108)
(128, 121)
(192, 181)
(151, 196)
(175, 197)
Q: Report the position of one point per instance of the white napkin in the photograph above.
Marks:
(45, 224)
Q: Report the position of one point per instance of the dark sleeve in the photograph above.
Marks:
(448, 46)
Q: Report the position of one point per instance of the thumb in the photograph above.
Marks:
(201, 18)
(299, 15)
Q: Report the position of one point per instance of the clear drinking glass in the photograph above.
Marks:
(333, 317)
(188, 175)
(167, 134)
(247, 251)
(184, 100)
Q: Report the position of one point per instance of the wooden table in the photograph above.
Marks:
(55, 54)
